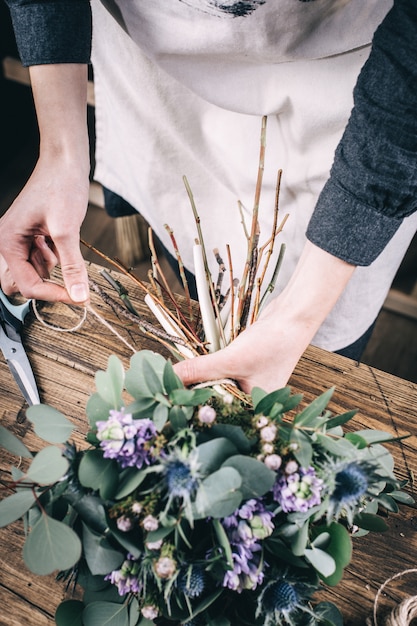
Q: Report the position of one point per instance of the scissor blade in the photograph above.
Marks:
(20, 367)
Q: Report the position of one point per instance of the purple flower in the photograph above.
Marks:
(125, 439)
(245, 528)
(126, 578)
(298, 491)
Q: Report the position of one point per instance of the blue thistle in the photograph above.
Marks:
(182, 478)
(352, 483)
(283, 602)
(191, 581)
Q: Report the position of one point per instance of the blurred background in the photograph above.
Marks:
(393, 346)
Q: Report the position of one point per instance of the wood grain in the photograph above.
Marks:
(64, 365)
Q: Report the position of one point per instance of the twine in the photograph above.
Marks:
(404, 613)
(89, 308)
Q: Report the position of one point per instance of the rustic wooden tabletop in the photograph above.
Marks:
(64, 365)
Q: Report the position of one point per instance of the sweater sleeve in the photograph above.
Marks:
(373, 180)
(52, 31)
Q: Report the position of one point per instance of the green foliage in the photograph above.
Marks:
(131, 501)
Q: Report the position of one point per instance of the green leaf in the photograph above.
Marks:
(97, 409)
(213, 453)
(402, 497)
(69, 613)
(160, 416)
(152, 379)
(234, 433)
(388, 503)
(12, 444)
(314, 409)
(329, 614)
(50, 546)
(218, 495)
(49, 424)
(304, 451)
(170, 379)
(338, 447)
(190, 397)
(129, 482)
(299, 540)
(322, 562)
(375, 436)
(339, 420)
(371, 522)
(105, 614)
(142, 407)
(257, 479)
(358, 441)
(99, 473)
(135, 381)
(100, 556)
(223, 541)
(177, 418)
(15, 506)
(339, 547)
(48, 466)
(264, 406)
(109, 384)
(257, 395)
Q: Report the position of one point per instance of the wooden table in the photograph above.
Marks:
(64, 365)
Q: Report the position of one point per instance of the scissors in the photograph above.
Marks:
(11, 326)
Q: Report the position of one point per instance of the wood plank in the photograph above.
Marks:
(64, 366)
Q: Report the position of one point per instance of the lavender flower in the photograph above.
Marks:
(125, 439)
(299, 490)
(126, 578)
(245, 529)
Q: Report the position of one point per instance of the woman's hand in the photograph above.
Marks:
(42, 227)
(266, 353)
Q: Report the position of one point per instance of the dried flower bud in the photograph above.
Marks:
(136, 508)
(273, 461)
(124, 523)
(268, 433)
(150, 523)
(267, 448)
(154, 545)
(206, 414)
(291, 467)
(165, 567)
(149, 611)
(261, 421)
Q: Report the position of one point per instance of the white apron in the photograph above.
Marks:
(181, 86)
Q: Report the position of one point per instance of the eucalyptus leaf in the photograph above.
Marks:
(97, 409)
(99, 473)
(130, 481)
(101, 557)
(322, 562)
(170, 379)
(218, 495)
(109, 384)
(190, 397)
(15, 506)
(135, 382)
(256, 477)
(177, 418)
(223, 541)
(388, 503)
(339, 548)
(299, 540)
(69, 613)
(213, 453)
(48, 466)
(337, 447)
(234, 433)
(304, 450)
(160, 416)
(49, 424)
(105, 614)
(371, 522)
(152, 379)
(402, 497)
(109, 594)
(51, 545)
(329, 614)
(339, 420)
(142, 407)
(358, 441)
(12, 444)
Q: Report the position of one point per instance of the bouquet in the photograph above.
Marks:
(192, 507)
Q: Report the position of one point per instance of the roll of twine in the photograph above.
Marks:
(401, 615)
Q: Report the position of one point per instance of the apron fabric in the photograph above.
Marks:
(180, 90)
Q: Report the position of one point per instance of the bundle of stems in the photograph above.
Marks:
(223, 313)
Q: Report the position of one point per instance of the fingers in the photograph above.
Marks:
(73, 268)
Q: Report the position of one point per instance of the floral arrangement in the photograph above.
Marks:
(192, 507)
(203, 506)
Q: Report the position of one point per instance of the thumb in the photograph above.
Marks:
(74, 272)
(201, 368)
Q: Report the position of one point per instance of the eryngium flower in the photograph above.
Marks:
(298, 491)
(182, 477)
(283, 602)
(191, 581)
(125, 439)
(351, 484)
